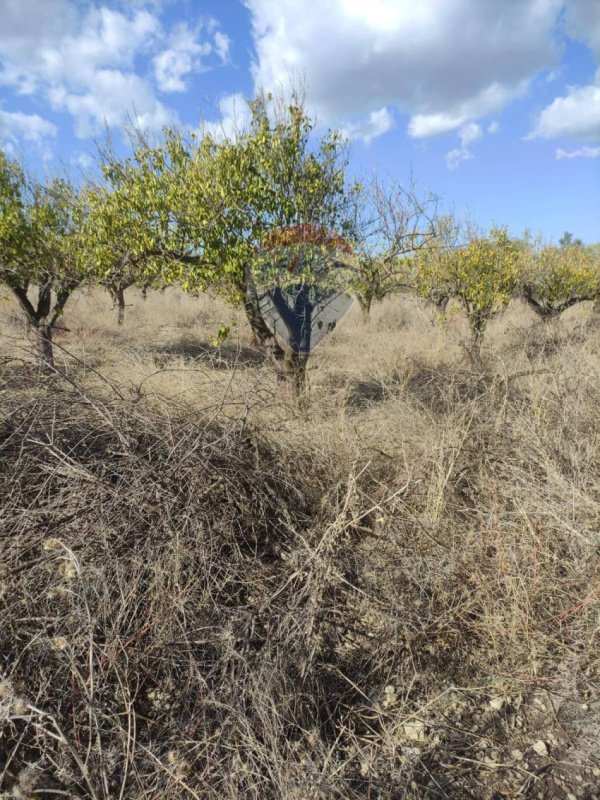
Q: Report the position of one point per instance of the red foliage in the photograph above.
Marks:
(306, 233)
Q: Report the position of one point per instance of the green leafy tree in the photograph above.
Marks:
(272, 176)
(482, 274)
(431, 269)
(139, 228)
(555, 278)
(196, 211)
(39, 228)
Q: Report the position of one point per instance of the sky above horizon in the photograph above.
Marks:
(494, 105)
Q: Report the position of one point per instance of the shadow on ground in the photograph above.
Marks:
(225, 356)
(437, 390)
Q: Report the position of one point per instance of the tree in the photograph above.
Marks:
(555, 278)
(303, 273)
(38, 248)
(389, 225)
(273, 176)
(137, 230)
(196, 210)
(481, 273)
(431, 269)
(568, 240)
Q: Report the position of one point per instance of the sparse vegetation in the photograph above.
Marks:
(206, 593)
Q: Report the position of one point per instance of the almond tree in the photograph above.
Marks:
(38, 248)
(390, 224)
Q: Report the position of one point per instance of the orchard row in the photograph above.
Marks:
(268, 206)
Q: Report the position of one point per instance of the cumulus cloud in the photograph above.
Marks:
(490, 99)
(85, 59)
(582, 152)
(370, 127)
(112, 98)
(15, 126)
(27, 30)
(468, 135)
(577, 113)
(445, 64)
(185, 55)
(70, 52)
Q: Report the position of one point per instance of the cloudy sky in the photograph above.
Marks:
(493, 104)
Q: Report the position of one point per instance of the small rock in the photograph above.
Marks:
(540, 747)
(415, 730)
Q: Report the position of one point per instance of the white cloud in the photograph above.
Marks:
(575, 115)
(113, 98)
(27, 30)
(185, 55)
(445, 64)
(422, 125)
(468, 135)
(72, 52)
(493, 127)
(15, 126)
(582, 152)
(454, 157)
(222, 45)
(490, 99)
(85, 59)
(84, 161)
(370, 127)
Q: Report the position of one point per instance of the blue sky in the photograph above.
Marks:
(492, 104)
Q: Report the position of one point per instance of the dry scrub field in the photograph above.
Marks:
(209, 591)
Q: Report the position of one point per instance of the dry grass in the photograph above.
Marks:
(207, 591)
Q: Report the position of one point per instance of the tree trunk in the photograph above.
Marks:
(365, 301)
(119, 302)
(42, 316)
(443, 304)
(263, 337)
(298, 323)
(44, 334)
(38, 318)
(474, 346)
(295, 370)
